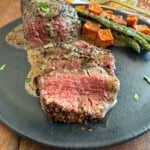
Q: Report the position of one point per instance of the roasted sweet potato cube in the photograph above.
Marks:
(117, 19)
(95, 8)
(90, 30)
(142, 28)
(104, 37)
(131, 20)
(109, 12)
(106, 14)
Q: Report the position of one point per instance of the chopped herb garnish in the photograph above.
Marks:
(43, 6)
(85, 62)
(72, 54)
(3, 67)
(90, 68)
(147, 79)
(136, 96)
(28, 80)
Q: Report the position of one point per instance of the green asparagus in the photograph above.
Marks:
(142, 40)
(146, 37)
(122, 40)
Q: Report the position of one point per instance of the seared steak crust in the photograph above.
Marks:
(74, 97)
(60, 24)
(78, 85)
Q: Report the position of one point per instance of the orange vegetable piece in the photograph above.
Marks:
(95, 8)
(106, 14)
(90, 29)
(117, 19)
(80, 7)
(131, 20)
(142, 28)
(109, 12)
(105, 37)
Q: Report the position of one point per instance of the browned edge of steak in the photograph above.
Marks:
(79, 109)
(40, 27)
(59, 61)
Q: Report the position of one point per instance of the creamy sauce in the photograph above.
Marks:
(16, 37)
(35, 57)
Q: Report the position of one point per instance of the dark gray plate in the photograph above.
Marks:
(22, 113)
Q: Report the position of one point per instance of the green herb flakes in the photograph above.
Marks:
(3, 67)
(43, 6)
(85, 62)
(72, 54)
(136, 96)
(90, 69)
(147, 79)
(28, 80)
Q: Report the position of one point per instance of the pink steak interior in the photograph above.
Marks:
(68, 87)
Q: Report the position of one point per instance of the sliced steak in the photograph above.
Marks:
(67, 57)
(47, 21)
(80, 84)
(76, 96)
(92, 55)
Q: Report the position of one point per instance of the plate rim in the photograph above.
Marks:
(126, 139)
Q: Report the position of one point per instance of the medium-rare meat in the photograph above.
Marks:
(68, 56)
(71, 96)
(78, 85)
(49, 20)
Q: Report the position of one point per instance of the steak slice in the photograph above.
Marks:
(75, 82)
(77, 96)
(93, 55)
(79, 85)
(58, 23)
(67, 57)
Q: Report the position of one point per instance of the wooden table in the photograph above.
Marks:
(9, 11)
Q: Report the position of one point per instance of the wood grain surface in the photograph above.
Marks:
(9, 11)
